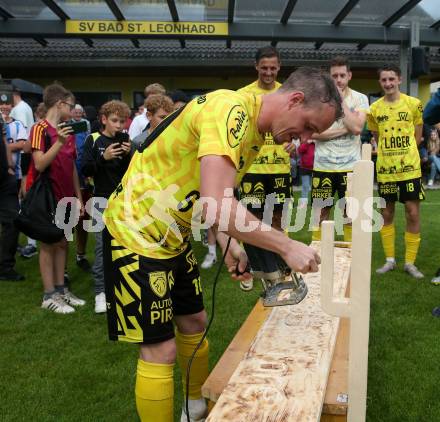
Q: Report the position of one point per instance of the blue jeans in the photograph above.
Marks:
(435, 166)
(306, 185)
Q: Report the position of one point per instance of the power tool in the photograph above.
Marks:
(282, 286)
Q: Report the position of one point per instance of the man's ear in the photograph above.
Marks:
(295, 98)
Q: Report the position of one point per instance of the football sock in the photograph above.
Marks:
(186, 343)
(412, 243)
(347, 232)
(388, 234)
(154, 391)
(212, 249)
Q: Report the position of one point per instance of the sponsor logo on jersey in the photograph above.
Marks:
(170, 280)
(247, 186)
(280, 182)
(315, 182)
(191, 260)
(383, 118)
(403, 116)
(237, 125)
(158, 282)
(326, 183)
(259, 187)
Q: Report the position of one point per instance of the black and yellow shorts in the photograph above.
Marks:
(254, 189)
(326, 184)
(406, 190)
(144, 294)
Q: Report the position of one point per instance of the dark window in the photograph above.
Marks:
(96, 99)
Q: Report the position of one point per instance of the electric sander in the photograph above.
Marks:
(281, 285)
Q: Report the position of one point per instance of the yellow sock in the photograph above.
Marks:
(316, 233)
(347, 232)
(412, 243)
(154, 391)
(388, 234)
(186, 343)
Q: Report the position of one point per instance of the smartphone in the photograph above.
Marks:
(77, 127)
(122, 137)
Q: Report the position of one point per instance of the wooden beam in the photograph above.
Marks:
(56, 9)
(117, 13)
(231, 10)
(5, 14)
(402, 11)
(283, 376)
(435, 25)
(288, 11)
(344, 12)
(40, 40)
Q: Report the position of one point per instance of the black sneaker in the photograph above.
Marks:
(28, 251)
(11, 275)
(83, 264)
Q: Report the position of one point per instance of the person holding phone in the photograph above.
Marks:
(106, 157)
(60, 158)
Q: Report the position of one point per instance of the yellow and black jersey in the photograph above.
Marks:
(397, 152)
(272, 159)
(150, 211)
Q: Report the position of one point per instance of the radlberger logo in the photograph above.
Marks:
(236, 125)
(158, 283)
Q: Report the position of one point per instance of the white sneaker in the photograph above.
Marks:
(413, 271)
(56, 304)
(388, 266)
(247, 285)
(430, 182)
(71, 299)
(197, 410)
(209, 261)
(100, 303)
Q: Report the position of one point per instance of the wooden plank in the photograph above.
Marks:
(283, 377)
(338, 377)
(239, 346)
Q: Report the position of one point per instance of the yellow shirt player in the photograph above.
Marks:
(396, 123)
(270, 170)
(153, 288)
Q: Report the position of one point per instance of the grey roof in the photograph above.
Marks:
(71, 52)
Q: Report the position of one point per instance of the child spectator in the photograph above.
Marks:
(433, 146)
(86, 188)
(306, 153)
(30, 249)
(60, 157)
(158, 107)
(105, 159)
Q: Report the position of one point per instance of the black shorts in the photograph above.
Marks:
(254, 189)
(326, 184)
(144, 294)
(406, 190)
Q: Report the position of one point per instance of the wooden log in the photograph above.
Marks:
(283, 376)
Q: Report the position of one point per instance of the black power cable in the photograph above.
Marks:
(188, 369)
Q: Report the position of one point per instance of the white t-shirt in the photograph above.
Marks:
(138, 125)
(340, 154)
(15, 131)
(23, 112)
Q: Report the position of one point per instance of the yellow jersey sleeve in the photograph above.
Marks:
(418, 112)
(223, 125)
(371, 120)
